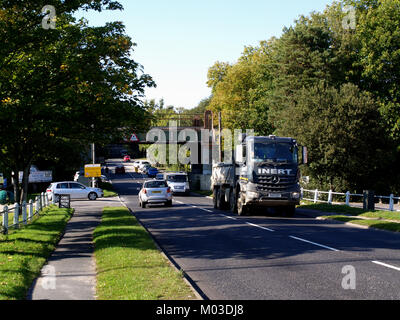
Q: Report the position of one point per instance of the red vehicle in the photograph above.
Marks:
(127, 159)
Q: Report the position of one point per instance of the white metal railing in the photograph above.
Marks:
(24, 213)
(347, 196)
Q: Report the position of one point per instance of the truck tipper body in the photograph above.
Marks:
(264, 173)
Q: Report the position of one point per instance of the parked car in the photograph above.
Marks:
(178, 181)
(127, 158)
(75, 189)
(119, 169)
(152, 172)
(155, 192)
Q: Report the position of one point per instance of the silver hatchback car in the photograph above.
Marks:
(155, 192)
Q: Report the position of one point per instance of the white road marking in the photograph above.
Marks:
(386, 265)
(257, 226)
(180, 202)
(314, 243)
(229, 217)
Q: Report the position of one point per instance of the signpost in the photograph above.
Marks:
(92, 170)
(64, 201)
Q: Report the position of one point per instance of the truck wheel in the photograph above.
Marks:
(223, 205)
(232, 202)
(215, 194)
(219, 207)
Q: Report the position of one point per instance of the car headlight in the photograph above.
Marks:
(295, 195)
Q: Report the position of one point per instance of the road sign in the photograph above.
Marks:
(134, 138)
(92, 170)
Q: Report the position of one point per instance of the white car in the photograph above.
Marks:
(143, 165)
(178, 181)
(75, 189)
(155, 192)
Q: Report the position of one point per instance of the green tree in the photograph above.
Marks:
(75, 84)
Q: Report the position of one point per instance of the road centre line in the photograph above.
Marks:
(314, 243)
(386, 265)
(257, 226)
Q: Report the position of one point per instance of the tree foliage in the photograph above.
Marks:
(334, 89)
(75, 84)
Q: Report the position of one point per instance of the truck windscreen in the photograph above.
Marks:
(275, 152)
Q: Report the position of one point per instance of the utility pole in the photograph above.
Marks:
(94, 162)
(220, 136)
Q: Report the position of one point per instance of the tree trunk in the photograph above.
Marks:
(25, 183)
(15, 182)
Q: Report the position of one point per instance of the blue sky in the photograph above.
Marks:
(178, 40)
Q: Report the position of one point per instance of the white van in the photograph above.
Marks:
(178, 182)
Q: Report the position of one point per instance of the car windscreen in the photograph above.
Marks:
(155, 184)
(177, 178)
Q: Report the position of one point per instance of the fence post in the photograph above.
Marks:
(301, 193)
(40, 203)
(31, 209)
(43, 200)
(348, 198)
(316, 196)
(36, 205)
(330, 196)
(391, 203)
(5, 220)
(16, 215)
(24, 218)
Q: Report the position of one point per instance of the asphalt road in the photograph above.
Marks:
(265, 257)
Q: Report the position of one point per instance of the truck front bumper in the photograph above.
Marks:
(272, 199)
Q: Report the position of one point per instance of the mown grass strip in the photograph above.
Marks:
(377, 224)
(129, 265)
(108, 190)
(24, 251)
(379, 214)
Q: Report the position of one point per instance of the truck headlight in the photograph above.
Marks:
(295, 195)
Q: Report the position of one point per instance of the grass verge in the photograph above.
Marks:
(108, 190)
(129, 265)
(377, 224)
(24, 251)
(381, 215)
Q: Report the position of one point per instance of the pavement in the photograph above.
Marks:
(70, 273)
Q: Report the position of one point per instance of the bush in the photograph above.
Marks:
(3, 197)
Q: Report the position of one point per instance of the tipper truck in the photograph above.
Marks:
(264, 173)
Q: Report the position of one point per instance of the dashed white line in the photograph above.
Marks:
(229, 217)
(314, 243)
(386, 265)
(260, 227)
